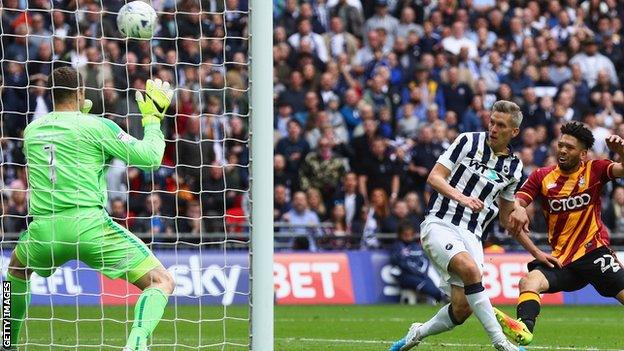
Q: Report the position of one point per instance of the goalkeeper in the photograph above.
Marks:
(67, 152)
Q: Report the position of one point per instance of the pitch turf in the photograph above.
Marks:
(313, 328)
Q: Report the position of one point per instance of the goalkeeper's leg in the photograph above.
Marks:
(157, 285)
(19, 277)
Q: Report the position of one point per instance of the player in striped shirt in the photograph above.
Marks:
(474, 180)
(570, 196)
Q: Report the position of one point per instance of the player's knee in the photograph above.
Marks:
(470, 274)
(461, 311)
(530, 283)
(465, 267)
(17, 269)
(167, 283)
(523, 283)
(18, 273)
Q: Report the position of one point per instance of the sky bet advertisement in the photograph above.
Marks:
(299, 278)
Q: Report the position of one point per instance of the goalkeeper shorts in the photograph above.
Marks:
(88, 235)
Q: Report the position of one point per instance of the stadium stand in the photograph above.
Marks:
(367, 95)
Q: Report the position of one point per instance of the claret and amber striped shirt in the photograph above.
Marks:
(571, 205)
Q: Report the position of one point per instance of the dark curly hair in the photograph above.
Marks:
(580, 132)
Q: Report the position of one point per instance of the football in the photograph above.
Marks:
(137, 20)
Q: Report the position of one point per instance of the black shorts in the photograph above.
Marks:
(600, 268)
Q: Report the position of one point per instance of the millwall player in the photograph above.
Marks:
(474, 180)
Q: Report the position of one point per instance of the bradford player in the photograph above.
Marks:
(570, 196)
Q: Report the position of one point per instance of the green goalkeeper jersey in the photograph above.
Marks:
(68, 154)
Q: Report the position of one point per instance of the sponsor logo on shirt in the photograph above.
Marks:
(125, 137)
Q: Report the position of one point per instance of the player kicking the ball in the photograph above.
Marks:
(473, 173)
(570, 196)
(67, 153)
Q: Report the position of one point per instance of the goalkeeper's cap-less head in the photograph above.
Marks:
(64, 83)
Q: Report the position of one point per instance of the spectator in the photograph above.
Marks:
(381, 171)
(152, 221)
(39, 102)
(517, 79)
(559, 71)
(400, 213)
(382, 19)
(340, 237)
(424, 157)
(295, 94)
(374, 216)
(39, 34)
(191, 223)
(407, 24)
(321, 169)
(302, 223)
(350, 198)
(457, 96)
(415, 207)
(306, 35)
(280, 175)
(119, 214)
(294, 148)
(316, 204)
(591, 62)
(339, 41)
(410, 264)
(350, 16)
(457, 41)
(16, 219)
(281, 204)
(614, 214)
(211, 197)
(349, 110)
(361, 145)
(195, 151)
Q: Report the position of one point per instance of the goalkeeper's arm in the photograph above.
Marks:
(147, 153)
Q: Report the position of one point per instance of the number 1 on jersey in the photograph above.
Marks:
(49, 148)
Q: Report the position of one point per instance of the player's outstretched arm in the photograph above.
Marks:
(616, 144)
(526, 242)
(147, 153)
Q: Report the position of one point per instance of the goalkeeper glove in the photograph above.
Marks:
(157, 99)
(86, 106)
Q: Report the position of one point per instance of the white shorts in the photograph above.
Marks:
(441, 241)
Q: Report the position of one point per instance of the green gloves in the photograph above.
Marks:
(86, 106)
(157, 99)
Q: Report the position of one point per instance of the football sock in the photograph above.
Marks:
(148, 311)
(528, 308)
(482, 308)
(20, 299)
(443, 320)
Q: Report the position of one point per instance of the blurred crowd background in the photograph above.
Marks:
(367, 95)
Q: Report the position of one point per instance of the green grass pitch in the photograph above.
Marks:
(311, 328)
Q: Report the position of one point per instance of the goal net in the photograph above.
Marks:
(193, 212)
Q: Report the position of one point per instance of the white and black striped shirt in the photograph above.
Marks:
(477, 172)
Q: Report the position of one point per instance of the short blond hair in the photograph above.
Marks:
(511, 108)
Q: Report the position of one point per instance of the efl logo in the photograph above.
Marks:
(6, 314)
(570, 203)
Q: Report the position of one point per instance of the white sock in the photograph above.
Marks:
(482, 308)
(441, 322)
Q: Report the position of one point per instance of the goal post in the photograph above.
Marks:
(261, 134)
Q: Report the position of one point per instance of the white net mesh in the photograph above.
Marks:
(192, 211)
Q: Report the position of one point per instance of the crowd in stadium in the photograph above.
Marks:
(367, 95)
